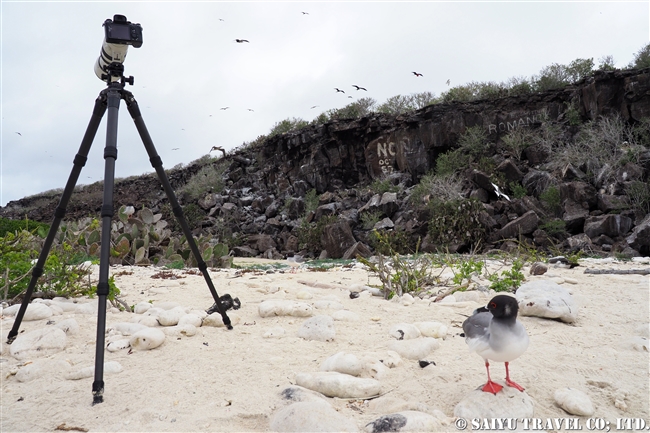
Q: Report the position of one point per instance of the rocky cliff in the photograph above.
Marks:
(263, 202)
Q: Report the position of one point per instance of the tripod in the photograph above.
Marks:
(109, 98)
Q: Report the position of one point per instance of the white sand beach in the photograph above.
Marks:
(231, 380)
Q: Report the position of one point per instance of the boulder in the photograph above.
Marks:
(547, 299)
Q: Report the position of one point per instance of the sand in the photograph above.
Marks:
(230, 380)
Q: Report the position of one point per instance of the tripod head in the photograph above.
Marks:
(115, 72)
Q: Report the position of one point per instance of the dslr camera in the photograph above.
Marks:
(119, 34)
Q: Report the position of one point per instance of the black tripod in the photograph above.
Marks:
(110, 98)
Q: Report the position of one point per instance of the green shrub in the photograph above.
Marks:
(516, 141)
(639, 194)
(444, 187)
(370, 218)
(451, 162)
(465, 269)
(311, 201)
(287, 125)
(641, 58)
(550, 198)
(208, 179)
(310, 234)
(517, 190)
(12, 226)
(554, 227)
(474, 142)
(390, 242)
(509, 281)
(456, 222)
(380, 186)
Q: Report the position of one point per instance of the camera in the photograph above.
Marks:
(119, 34)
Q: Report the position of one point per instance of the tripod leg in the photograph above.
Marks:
(79, 161)
(156, 163)
(110, 155)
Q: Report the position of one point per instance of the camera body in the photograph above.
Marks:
(119, 34)
(120, 31)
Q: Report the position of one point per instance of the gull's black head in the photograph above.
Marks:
(503, 307)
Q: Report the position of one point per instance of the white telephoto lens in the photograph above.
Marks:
(110, 53)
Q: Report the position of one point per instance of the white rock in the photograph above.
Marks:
(303, 294)
(280, 307)
(87, 308)
(294, 394)
(41, 367)
(333, 384)
(432, 329)
(414, 349)
(117, 345)
(319, 328)
(110, 367)
(69, 326)
(147, 339)
(574, 401)
(406, 421)
(146, 321)
(342, 362)
(186, 330)
(311, 416)
(35, 311)
(375, 369)
(126, 328)
(39, 343)
(391, 359)
(644, 260)
(448, 300)
(345, 316)
(216, 320)
(171, 316)
(275, 332)
(640, 344)
(191, 319)
(544, 298)
(66, 305)
(142, 307)
(406, 299)
(507, 403)
(404, 331)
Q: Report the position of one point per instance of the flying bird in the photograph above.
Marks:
(224, 108)
(494, 333)
(350, 97)
(448, 81)
(339, 90)
(220, 19)
(359, 88)
(175, 148)
(313, 107)
(250, 109)
(417, 74)
(241, 41)
(305, 13)
(218, 148)
(19, 134)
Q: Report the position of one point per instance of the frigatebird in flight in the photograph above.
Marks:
(417, 74)
(241, 41)
(359, 88)
(339, 90)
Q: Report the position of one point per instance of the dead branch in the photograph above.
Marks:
(618, 271)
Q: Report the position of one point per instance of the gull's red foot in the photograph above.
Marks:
(514, 385)
(492, 387)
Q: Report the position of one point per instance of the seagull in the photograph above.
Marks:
(295, 262)
(359, 88)
(305, 13)
(448, 81)
(19, 134)
(250, 109)
(499, 193)
(241, 41)
(220, 19)
(417, 74)
(339, 90)
(313, 107)
(224, 108)
(494, 333)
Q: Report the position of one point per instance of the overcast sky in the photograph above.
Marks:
(190, 66)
